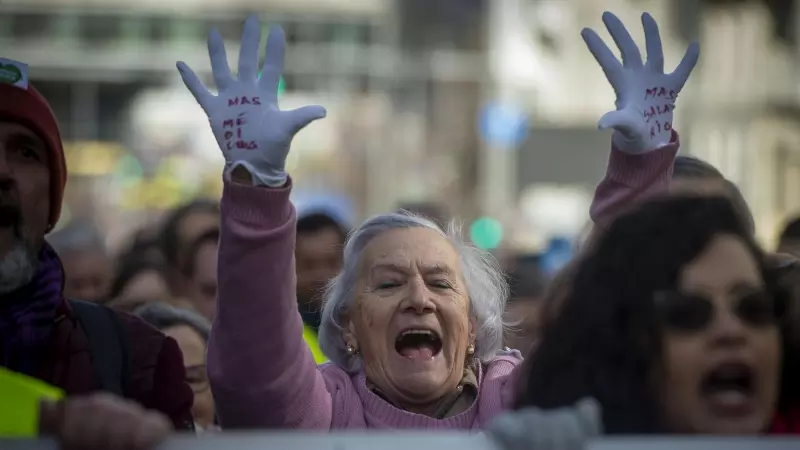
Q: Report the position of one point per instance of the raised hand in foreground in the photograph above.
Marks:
(102, 422)
(645, 94)
(532, 428)
(251, 130)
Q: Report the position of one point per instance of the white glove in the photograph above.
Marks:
(558, 429)
(645, 94)
(250, 129)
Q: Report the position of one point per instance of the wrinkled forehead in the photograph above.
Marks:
(412, 249)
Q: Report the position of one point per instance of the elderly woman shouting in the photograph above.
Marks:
(412, 325)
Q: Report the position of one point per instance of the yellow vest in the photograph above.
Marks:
(311, 339)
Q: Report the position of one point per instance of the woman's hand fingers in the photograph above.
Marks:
(300, 118)
(248, 51)
(631, 57)
(655, 51)
(195, 86)
(620, 121)
(219, 61)
(684, 69)
(273, 63)
(591, 415)
(605, 58)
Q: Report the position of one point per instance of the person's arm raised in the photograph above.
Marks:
(644, 144)
(262, 373)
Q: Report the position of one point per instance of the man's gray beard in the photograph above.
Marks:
(17, 267)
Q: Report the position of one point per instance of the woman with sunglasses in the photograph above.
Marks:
(674, 324)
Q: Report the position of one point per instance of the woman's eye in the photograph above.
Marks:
(441, 284)
(684, 313)
(27, 152)
(757, 309)
(388, 285)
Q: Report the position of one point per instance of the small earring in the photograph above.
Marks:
(470, 350)
(352, 351)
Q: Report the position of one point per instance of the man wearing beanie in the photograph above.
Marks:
(78, 347)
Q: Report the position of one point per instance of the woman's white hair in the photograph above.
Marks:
(486, 287)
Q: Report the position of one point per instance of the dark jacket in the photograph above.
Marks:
(157, 375)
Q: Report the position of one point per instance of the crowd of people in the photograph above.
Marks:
(247, 313)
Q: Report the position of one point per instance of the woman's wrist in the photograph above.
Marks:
(241, 175)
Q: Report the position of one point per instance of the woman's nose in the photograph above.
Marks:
(727, 329)
(418, 298)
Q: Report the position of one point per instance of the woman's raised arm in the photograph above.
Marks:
(262, 373)
(644, 144)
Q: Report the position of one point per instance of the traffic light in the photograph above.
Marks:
(486, 233)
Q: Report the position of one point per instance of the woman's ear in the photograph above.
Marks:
(349, 331)
(473, 330)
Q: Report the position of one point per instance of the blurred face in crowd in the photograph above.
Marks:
(24, 203)
(193, 226)
(318, 257)
(411, 320)
(203, 282)
(193, 347)
(145, 287)
(88, 274)
(721, 345)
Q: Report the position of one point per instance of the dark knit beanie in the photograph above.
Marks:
(27, 107)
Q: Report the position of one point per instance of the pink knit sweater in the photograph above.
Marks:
(262, 373)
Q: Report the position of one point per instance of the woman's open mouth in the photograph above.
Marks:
(730, 389)
(418, 344)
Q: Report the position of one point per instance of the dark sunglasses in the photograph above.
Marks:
(692, 313)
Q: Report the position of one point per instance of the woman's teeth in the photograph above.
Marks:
(418, 344)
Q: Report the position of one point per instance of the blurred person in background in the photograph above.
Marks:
(527, 286)
(80, 347)
(318, 258)
(789, 241)
(190, 330)
(681, 334)
(693, 175)
(180, 228)
(87, 264)
(413, 323)
(138, 280)
(201, 273)
(685, 174)
(144, 242)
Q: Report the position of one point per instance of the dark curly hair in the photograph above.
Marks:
(605, 342)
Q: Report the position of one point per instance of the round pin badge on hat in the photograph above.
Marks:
(14, 73)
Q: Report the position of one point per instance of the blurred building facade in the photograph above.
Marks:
(739, 110)
(388, 72)
(407, 83)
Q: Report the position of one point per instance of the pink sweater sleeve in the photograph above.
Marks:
(632, 177)
(262, 373)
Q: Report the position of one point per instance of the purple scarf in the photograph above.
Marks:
(27, 315)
